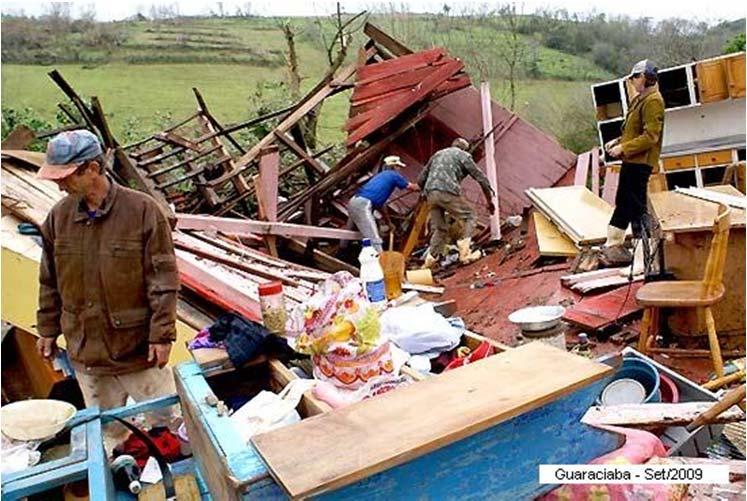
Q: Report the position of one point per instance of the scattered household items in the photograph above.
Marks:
(422, 276)
(393, 267)
(636, 374)
(126, 474)
(36, 419)
(17, 456)
(467, 356)
(272, 303)
(430, 438)
(161, 437)
(537, 318)
(419, 330)
(243, 338)
(690, 294)
(268, 410)
(372, 275)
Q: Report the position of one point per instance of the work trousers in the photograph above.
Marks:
(110, 392)
(630, 199)
(440, 203)
(360, 212)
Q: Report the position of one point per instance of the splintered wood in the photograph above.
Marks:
(420, 418)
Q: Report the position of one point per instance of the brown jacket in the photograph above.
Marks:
(108, 283)
(643, 129)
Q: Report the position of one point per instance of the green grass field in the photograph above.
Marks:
(237, 64)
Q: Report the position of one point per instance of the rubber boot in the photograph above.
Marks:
(467, 256)
(614, 253)
(430, 261)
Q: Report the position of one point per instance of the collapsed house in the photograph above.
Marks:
(249, 213)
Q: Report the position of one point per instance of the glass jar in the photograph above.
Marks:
(272, 304)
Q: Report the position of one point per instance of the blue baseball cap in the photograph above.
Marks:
(67, 151)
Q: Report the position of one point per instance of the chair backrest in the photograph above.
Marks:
(714, 270)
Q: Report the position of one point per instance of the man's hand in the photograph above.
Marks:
(413, 187)
(47, 347)
(616, 151)
(610, 144)
(159, 352)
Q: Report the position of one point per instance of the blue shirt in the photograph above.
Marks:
(380, 187)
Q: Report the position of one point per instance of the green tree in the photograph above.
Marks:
(736, 44)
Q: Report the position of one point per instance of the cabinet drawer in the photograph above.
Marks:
(681, 162)
(714, 158)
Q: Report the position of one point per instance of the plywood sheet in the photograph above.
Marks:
(598, 311)
(579, 213)
(680, 213)
(353, 443)
(550, 240)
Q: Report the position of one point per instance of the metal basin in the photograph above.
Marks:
(537, 318)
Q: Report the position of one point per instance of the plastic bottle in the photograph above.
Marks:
(272, 304)
(372, 275)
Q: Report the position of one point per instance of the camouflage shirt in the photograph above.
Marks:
(447, 168)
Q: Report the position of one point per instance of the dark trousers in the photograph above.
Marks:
(630, 199)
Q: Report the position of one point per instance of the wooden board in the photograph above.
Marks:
(680, 213)
(550, 240)
(597, 311)
(579, 213)
(339, 448)
(185, 486)
(656, 414)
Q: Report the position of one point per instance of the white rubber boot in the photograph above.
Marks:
(430, 261)
(467, 256)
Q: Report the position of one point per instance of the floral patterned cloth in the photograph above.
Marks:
(340, 329)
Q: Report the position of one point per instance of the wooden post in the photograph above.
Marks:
(490, 167)
(267, 194)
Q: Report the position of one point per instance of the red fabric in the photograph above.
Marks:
(166, 442)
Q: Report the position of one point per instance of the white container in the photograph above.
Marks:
(372, 275)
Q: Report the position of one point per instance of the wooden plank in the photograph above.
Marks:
(219, 292)
(595, 171)
(184, 485)
(490, 167)
(549, 239)
(611, 179)
(597, 311)
(389, 43)
(657, 414)
(178, 140)
(679, 213)
(269, 166)
(310, 102)
(385, 69)
(578, 213)
(576, 278)
(421, 217)
(409, 425)
(582, 169)
(737, 202)
(365, 90)
(242, 226)
(604, 283)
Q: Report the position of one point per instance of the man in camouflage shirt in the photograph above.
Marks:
(441, 181)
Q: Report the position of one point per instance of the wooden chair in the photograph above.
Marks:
(691, 294)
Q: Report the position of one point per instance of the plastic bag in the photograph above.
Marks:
(419, 330)
(268, 410)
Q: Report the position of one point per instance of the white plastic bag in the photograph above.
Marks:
(268, 410)
(419, 330)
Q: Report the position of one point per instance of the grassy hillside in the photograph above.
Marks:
(143, 72)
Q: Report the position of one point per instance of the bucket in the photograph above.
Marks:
(670, 394)
(644, 373)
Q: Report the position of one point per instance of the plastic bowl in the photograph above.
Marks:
(35, 419)
(643, 372)
(623, 391)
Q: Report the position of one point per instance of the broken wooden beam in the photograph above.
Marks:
(242, 226)
(490, 167)
(657, 414)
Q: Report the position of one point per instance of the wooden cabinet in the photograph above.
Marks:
(736, 75)
(714, 158)
(676, 163)
(712, 83)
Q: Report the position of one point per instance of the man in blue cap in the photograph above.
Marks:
(107, 281)
(373, 195)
